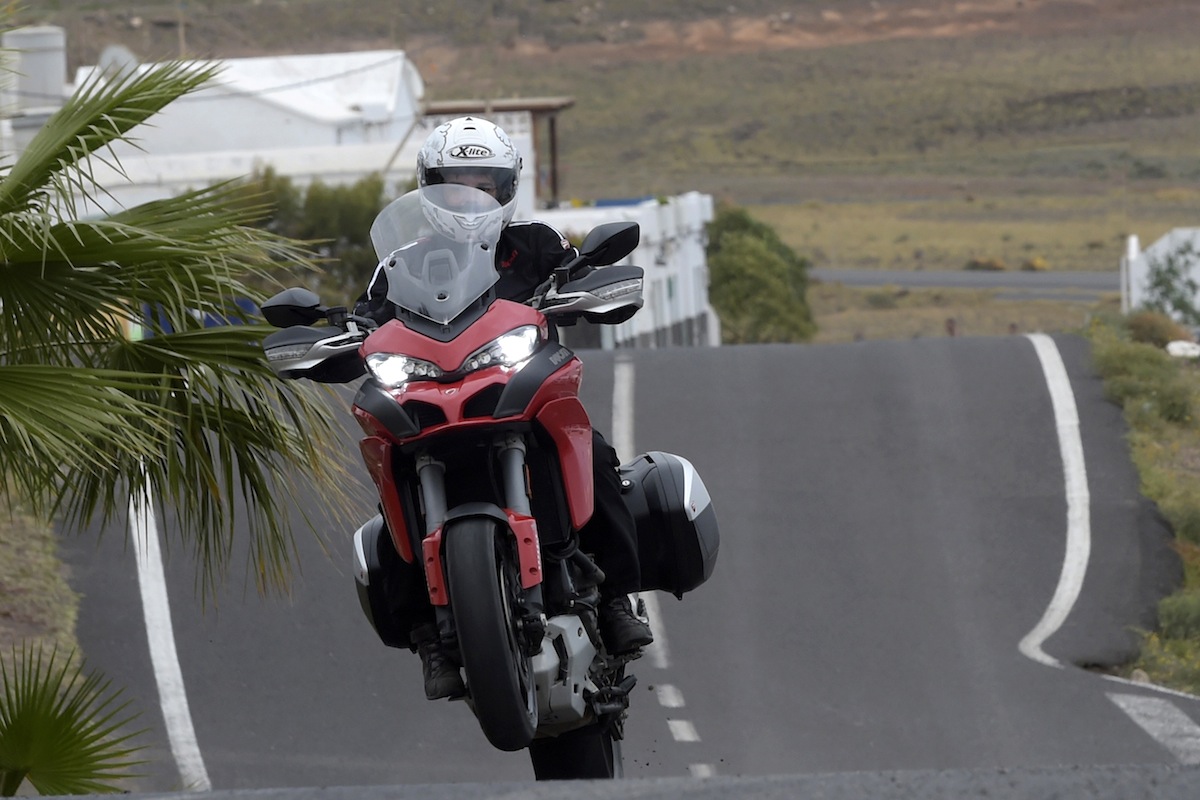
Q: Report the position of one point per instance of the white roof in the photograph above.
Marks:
(330, 86)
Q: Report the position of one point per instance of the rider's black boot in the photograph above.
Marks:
(621, 631)
(441, 672)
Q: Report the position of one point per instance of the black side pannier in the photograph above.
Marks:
(389, 588)
(676, 525)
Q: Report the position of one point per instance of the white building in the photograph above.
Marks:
(336, 118)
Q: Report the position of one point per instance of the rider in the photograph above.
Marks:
(475, 152)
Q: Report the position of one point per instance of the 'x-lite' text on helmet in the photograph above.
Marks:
(470, 147)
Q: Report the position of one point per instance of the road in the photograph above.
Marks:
(895, 534)
(1084, 286)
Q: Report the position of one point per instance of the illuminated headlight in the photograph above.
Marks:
(618, 289)
(508, 350)
(394, 370)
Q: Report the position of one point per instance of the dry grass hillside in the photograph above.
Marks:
(910, 134)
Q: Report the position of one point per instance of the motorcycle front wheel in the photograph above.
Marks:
(589, 753)
(484, 581)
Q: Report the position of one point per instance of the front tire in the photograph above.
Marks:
(590, 753)
(484, 581)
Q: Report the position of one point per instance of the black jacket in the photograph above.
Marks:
(526, 255)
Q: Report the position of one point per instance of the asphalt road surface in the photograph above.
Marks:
(1081, 286)
(901, 590)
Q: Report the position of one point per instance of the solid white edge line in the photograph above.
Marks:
(163, 656)
(623, 443)
(1078, 550)
(658, 651)
(1165, 722)
(622, 407)
(1153, 687)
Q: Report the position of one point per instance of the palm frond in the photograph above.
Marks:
(60, 729)
(191, 416)
(235, 431)
(53, 167)
(86, 280)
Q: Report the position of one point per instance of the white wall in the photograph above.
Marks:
(671, 250)
(1136, 265)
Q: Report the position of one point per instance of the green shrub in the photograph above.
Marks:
(1156, 328)
(1170, 287)
(1142, 379)
(1179, 615)
(757, 283)
(985, 265)
(1170, 662)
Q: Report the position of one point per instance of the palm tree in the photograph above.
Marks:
(188, 416)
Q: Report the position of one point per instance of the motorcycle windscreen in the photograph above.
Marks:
(437, 246)
(438, 279)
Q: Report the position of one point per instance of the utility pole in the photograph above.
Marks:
(180, 27)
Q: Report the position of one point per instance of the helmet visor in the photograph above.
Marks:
(499, 182)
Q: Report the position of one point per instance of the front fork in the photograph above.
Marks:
(431, 476)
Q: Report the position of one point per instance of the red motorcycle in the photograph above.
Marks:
(477, 442)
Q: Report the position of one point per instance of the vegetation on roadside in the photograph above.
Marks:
(1160, 396)
(757, 284)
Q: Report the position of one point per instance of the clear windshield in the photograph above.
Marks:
(437, 246)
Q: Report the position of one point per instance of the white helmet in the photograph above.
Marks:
(471, 146)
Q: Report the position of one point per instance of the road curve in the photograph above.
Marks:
(894, 524)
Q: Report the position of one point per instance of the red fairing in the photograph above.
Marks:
(377, 454)
(569, 426)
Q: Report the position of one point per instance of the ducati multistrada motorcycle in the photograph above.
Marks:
(475, 437)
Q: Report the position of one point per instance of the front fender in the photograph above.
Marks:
(522, 528)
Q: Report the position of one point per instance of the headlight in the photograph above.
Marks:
(395, 370)
(508, 350)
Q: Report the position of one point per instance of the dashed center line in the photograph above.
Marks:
(683, 730)
(657, 652)
(669, 696)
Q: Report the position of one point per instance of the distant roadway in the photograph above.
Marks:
(1024, 285)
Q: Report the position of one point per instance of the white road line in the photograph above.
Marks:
(1079, 545)
(1154, 687)
(683, 731)
(669, 696)
(1163, 720)
(623, 442)
(657, 651)
(622, 407)
(167, 673)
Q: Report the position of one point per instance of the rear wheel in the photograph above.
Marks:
(484, 582)
(590, 753)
